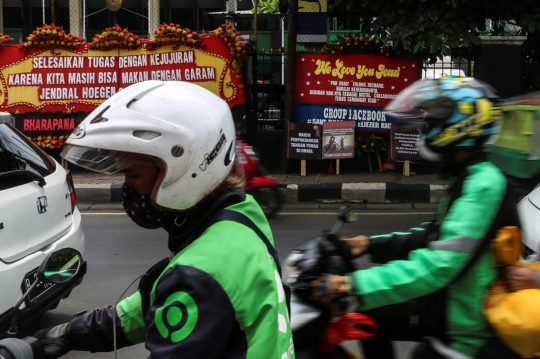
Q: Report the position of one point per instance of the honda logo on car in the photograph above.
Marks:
(42, 204)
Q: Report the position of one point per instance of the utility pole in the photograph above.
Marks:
(290, 80)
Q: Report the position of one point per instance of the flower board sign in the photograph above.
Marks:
(77, 78)
(350, 87)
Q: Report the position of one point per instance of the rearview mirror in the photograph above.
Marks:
(60, 266)
(347, 214)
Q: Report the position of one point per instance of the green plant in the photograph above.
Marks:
(267, 7)
(432, 29)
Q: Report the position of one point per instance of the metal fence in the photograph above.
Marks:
(265, 74)
(21, 17)
(461, 63)
(265, 91)
(265, 66)
(132, 15)
(530, 64)
(312, 23)
(90, 17)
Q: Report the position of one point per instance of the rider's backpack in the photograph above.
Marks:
(514, 315)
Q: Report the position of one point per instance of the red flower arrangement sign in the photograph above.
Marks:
(173, 34)
(4, 39)
(75, 77)
(233, 38)
(116, 38)
(356, 43)
(51, 37)
(49, 142)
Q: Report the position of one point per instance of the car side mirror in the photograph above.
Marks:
(60, 266)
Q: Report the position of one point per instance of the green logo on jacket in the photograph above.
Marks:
(177, 317)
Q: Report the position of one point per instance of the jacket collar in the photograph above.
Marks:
(179, 238)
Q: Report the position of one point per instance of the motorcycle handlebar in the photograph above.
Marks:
(27, 348)
(342, 249)
(340, 255)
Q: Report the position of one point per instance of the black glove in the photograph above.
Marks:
(54, 340)
(336, 254)
(322, 289)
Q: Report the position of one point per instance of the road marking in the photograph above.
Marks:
(290, 213)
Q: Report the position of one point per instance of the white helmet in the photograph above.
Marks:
(186, 127)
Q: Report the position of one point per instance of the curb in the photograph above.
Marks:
(365, 192)
(305, 193)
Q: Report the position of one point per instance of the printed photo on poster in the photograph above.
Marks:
(338, 139)
(304, 141)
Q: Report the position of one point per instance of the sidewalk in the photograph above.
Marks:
(378, 187)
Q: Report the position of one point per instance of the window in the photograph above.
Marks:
(18, 153)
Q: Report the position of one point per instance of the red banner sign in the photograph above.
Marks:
(352, 79)
(79, 79)
(49, 124)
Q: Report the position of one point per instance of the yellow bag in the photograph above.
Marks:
(514, 315)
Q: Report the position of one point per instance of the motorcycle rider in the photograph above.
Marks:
(435, 277)
(219, 294)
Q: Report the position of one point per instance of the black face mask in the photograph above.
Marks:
(139, 208)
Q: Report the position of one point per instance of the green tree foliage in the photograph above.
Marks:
(432, 28)
(267, 7)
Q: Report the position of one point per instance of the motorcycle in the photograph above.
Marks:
(320, 332)
(262, 187)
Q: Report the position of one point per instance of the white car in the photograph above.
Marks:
(529, 215)
(37, 216)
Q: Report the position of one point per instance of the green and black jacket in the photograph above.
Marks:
(445, 266)
(220, 296)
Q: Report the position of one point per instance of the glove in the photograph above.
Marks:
(54, 340)
(358, 245)
(335, 255)
(324, 289)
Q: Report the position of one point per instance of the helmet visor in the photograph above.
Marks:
(104, 161)
(407, 105)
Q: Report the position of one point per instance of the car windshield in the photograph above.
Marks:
(18, 153)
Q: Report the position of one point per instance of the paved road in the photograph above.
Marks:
(118, 251)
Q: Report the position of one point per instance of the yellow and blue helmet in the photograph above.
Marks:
(457, 113)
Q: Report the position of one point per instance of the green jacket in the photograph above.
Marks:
(220, 296)
(433, 259)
